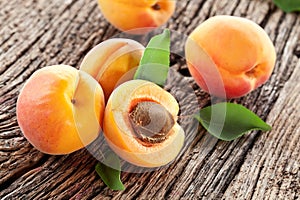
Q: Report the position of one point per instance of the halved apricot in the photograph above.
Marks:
(140, 124)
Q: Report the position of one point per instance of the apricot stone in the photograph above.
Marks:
(140, 124)
(60, 109)
(112, 59)
(240, 50)
(137, 16)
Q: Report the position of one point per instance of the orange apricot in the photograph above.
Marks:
(140, 124)
(60, 109)
(137, 16)
(110, 60)
(240, 50)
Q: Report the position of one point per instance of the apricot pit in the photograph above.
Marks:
(151, 122)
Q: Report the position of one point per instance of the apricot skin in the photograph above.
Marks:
(120, 135)
(240, 49)
(137, 16)
(60, 109)
(111, 60)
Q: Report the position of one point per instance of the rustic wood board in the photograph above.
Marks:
(34, 34)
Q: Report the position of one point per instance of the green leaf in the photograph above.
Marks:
(155, 62)
(110, 176)
(288, 5)
(228, 121)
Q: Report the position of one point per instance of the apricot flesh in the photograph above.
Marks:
(137, 16)
(241, 51)
(110, 60)
(120, 133)
(60, 109)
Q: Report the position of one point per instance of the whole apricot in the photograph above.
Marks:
(60, 109)
(140, 124)
(241, 53)
(137, 16)
(110, 60)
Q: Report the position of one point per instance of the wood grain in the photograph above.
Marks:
(34, 34)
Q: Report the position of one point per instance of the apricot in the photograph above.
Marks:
(137, 16)
(140, 124)
(60, 109)
(240, 50)
(110, 60)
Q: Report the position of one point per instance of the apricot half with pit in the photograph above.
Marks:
(111, 60)
(241, 53)
(140, 124)
(60, 109)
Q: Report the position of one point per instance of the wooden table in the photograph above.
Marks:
(34, 34)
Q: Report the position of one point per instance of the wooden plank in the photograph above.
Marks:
(271, 167)
(34, 34)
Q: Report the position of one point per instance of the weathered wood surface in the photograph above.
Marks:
(34, 34)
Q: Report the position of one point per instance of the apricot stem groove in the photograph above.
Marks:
(252, 73)
(156, 7)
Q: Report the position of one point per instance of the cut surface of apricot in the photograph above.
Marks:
(132, 129)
